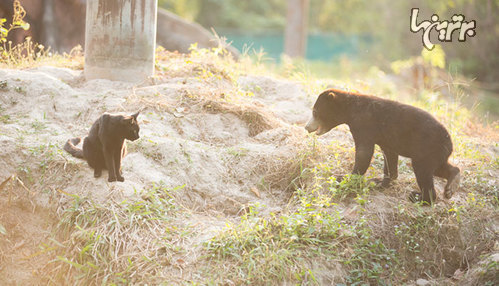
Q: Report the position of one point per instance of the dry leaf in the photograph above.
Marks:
(255, 191)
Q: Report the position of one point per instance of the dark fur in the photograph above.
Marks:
(399, 129)
(104, 147)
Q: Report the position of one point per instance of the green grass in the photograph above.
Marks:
(121, 242)
(379, 245)
(327, 231)
(370, 262)
(293, 246)
(260, 250)
(4, 118)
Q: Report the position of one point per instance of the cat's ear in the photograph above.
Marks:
(135, 115)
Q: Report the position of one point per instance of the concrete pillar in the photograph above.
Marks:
(120, 39)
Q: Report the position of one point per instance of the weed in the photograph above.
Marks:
(323, 222)
(351, 185)
(217, 63)
(488, 275)
(275, 248)
(47, 154)
(28, 53)
(117, 243)
(20, 89)
(237, 152)
(4, 118)
(25, 172)
(17, 23)
(371, 263)
(21, 54)
(38, 126)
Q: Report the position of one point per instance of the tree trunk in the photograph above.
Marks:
(295, 36)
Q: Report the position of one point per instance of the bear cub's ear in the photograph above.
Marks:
(135, 115)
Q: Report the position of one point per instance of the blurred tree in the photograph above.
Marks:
(295, 35)
(385, 22)
(256, 15)
(188, 9)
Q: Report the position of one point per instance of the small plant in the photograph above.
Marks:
(47, 154)
(25, 53)
(263, 250)
(17, 23)
(237, 152)
(351, 185)
(118, 243)
(256, 248)
(214, 63)
(371, 263)
(4, 118)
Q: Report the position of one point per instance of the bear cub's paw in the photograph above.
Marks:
(382, 183)
(452, 185)
(417, 197)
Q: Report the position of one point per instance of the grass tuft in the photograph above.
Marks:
(121, 242)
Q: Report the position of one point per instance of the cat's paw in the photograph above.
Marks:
(121, 179)
(97, 173)
(111, 179)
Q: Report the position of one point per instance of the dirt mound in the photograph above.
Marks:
(26, 246)
(225, 154)
(215, 146)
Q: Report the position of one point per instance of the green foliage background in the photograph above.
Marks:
(385, 21)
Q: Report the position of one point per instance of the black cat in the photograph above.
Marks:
(104, 147)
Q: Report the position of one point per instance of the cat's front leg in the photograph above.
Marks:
(117, 164)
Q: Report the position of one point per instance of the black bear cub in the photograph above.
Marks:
(104, 147)
(398, 129)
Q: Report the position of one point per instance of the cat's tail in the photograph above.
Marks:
(71, 148)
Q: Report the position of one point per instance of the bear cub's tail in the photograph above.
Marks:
(71, 148)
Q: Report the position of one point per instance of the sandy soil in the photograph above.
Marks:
(227, 150)
(214, 149)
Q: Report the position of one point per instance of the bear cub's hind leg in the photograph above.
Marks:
(453, 176)
(424, 177)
